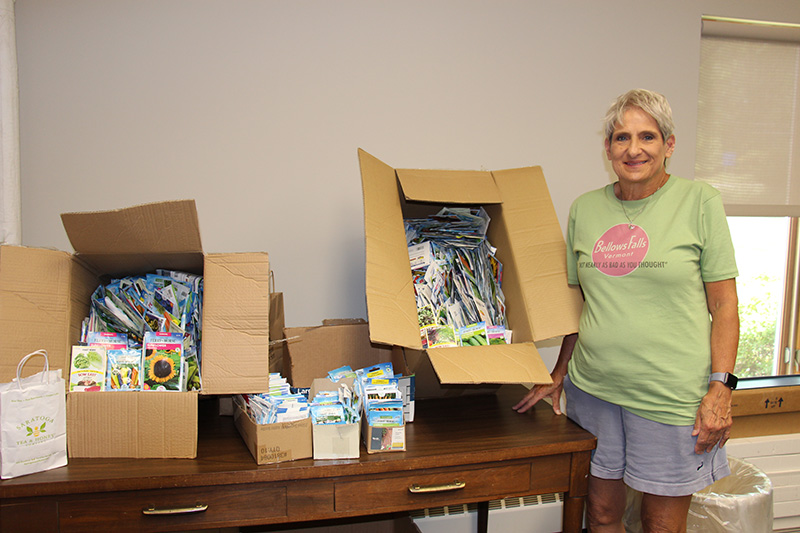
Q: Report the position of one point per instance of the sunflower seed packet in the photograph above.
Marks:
(164, 367)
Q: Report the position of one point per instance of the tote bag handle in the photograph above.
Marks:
(24, 360)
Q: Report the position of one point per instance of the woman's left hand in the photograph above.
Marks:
(713, 422)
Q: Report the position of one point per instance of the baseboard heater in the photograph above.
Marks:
(529, 514)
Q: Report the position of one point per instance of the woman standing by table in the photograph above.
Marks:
(649, 372)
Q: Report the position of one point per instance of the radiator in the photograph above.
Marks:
(529, 514)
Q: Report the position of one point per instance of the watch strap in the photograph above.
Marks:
(725, 377)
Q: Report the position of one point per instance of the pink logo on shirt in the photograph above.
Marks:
(620, 250)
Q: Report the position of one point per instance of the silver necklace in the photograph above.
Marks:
(631, 219)
(625, 211)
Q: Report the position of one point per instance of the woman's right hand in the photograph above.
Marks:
(552, 390)
(539, 392)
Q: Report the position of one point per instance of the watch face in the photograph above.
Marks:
(731, 381)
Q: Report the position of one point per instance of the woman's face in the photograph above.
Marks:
(636, 149)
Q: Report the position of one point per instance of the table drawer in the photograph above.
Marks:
(173, 509)
(430, 488)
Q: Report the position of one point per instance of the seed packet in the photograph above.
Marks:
(87, 368)
(340, 373)
(441, 337)
(376, 371)
(473, 335)
(111, 340)
(124, 370)
(164, 365)
(496, 334)
(327, 413)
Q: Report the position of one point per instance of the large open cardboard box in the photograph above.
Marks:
(45, 294)
(525, 230)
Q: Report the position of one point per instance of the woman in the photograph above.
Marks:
(659, 329)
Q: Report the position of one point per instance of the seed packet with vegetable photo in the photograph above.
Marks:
(87, 368)
(124, 371)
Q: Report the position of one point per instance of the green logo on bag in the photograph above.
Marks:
(35, 431)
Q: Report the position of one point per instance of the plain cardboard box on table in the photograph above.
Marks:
(45, 294)
(530, 244)
(763, 407)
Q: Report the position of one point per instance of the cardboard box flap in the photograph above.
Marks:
(34, 308)
(537, 245)
(164, 227)
(511, 363)
(449, 186)
(392, 317)
(235, 323)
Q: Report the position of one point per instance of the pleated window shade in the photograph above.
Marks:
(748, 132)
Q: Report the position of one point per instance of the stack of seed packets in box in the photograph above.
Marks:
(336, 415)
(383, 402)
(123, 312)
(275, 425)
(341, 404)
(457, 279)
(276, 406)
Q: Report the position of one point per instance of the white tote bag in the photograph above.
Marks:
(33, 421)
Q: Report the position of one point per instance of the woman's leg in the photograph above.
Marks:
(665, 514)
(605, 505)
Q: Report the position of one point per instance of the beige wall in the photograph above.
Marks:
(255, 108)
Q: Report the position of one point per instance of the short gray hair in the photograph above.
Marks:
(652, 103)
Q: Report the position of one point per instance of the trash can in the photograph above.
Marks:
(741, 502)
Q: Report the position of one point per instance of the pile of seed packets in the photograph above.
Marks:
(375, 395)
(457, 279)
(107, 363)
(134, 315)
(278, 405)
(340, 406)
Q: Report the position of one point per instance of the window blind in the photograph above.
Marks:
(748, 133)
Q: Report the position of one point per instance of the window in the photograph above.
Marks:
(748, 147)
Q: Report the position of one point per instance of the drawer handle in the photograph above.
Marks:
(455, 485)
(199, 508)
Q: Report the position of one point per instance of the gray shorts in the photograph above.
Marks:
(648, 456)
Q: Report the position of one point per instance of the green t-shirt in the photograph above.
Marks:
(644, 334)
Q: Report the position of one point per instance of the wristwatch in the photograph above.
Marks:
(728, 379)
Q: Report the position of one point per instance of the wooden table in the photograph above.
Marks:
(459, 450)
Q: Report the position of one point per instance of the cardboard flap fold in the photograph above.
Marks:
(451, 186)
(537, 243)
(390, 303)
(510, 363)
(164, 227)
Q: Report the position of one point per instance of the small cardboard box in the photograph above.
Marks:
(45, 295)
(334, 441)
(274, 443)
(760, 411)
(380, 439)
(530, 244)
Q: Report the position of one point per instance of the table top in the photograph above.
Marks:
(453, 431)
